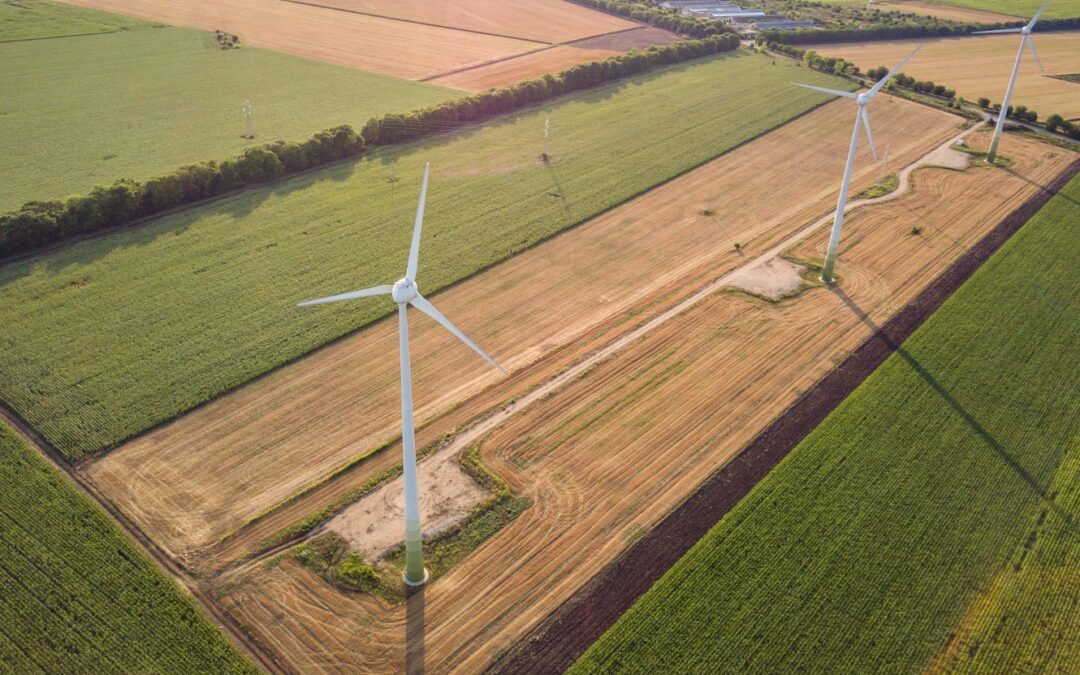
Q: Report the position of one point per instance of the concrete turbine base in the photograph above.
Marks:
(416, 584)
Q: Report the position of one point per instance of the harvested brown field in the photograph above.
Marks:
(400, 48)
(193, 481)
(605, 458)
(540, 63)
(980, 66)
(548, 21)
(947, 12)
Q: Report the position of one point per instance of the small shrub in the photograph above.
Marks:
(915, 229)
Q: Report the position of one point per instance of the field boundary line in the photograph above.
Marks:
(75, 35)
(331, 8)
(567, 632)
(165, 564)
(511, 57)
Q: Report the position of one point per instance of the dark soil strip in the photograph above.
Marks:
(567, 632)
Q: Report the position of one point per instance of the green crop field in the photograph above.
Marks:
(108, 337)
(83, 111)
(35, 19)
(78, 597)
(939, 500)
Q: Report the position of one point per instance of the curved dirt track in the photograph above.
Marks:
(609, 455)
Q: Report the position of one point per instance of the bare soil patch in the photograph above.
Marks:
(400, 48)
(978, 66)
(374, 524)
(773, 278)
(540, 63)
(195, 480)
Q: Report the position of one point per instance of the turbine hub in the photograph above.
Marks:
(404, 291)
(863, 99)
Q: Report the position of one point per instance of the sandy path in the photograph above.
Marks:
(191, 482)
(609, 454)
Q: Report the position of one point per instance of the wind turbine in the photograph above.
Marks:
(404, 292)
(1025, 41)
(862, 118)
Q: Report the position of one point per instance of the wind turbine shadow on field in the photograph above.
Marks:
(958, 408)
(414, 631)
(1042, 188)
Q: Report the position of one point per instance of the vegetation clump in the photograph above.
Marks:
(886, 185)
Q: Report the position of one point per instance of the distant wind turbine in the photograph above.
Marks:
(404, 292)
(861, 118)
(1025, 41)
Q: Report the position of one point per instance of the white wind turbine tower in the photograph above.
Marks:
(404, 292)
(1025, 41)
(862, 118)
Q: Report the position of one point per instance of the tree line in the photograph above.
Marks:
(40, 223)
(901, 31)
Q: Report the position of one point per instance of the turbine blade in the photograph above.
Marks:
(865, 117)
(1000, 30)
(834, 92)
(352, 295)
(1037, 15)
(1031, 44)
(881, 83)
(421, 303)
(414, 249)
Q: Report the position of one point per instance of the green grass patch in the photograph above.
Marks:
(114, 335)
(886, 185)
(78, 596)
(36, 20)
(85, 111)
(876, 541)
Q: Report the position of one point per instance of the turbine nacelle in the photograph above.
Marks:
(862, 99)
(404, 291)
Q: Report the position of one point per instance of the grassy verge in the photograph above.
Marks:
(78, 596)
(85, 111)
(886, 185)
(171, 314)
(924, 508)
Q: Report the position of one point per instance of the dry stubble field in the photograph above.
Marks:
(373, 43)
(191, 482)
(537, 20)
(980, 66)
(947, 12)
(608, 456)
(417, 39)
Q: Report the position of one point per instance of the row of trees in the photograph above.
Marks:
(828, 64)
(900, 31)
(1059, 124)
(668, 19)
(41, 223)
(908, 82)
